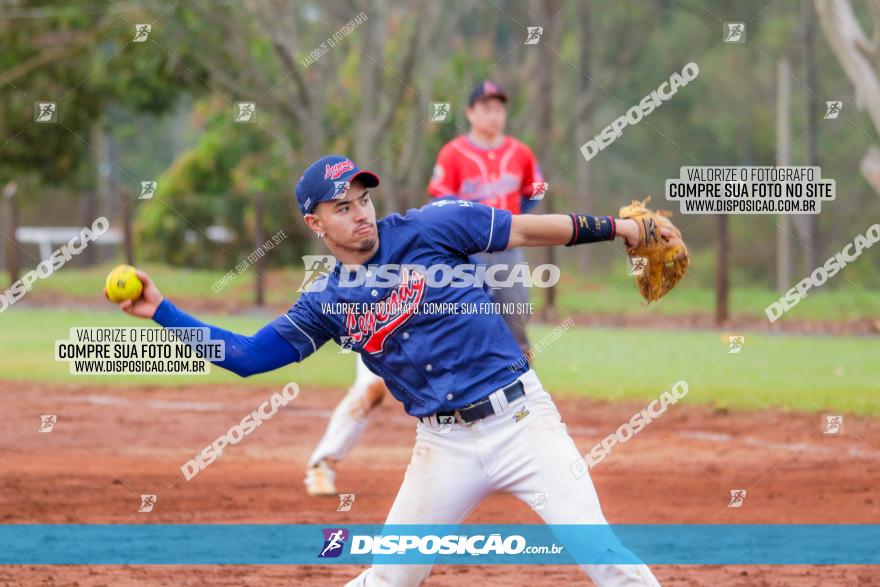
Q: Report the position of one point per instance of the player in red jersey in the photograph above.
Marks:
(494, 169)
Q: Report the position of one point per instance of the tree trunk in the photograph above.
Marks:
(414, 152)
(90, 212)
(722, 270)
(544, 107)
(390, 194)
(10, 224)
(783, 139)
(811, 255)
(870, 167)
(126, 194)
(371, 82)
(259, 239)
(583, 125)
(103, 168)
(857, 55)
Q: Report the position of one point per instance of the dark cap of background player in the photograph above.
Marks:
(486, 89)
(328, 178)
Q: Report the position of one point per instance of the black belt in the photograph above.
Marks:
(480, 408)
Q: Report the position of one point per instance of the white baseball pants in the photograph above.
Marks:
(453, 469)
(349, 419)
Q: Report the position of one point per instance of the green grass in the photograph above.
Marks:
(833, 304)
(27, 337)
(809, 373)
(614, 293)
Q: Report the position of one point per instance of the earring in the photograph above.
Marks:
(321, 234)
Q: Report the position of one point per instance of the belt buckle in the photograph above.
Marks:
(459, 419)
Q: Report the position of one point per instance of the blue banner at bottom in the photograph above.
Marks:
(481, 544)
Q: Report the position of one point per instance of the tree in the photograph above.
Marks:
(84, 61)
(811, 255)
(549, 40)
(326, 77)
(860, 58)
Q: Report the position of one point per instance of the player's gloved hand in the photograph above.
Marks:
(145, 306)
(661, 245)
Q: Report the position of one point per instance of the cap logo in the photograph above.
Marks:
(490, 88)
(337, 169)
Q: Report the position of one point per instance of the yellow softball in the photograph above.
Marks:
(123, 284)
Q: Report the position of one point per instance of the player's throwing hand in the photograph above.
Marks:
(145, 306)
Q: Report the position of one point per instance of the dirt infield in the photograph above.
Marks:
(110, 445)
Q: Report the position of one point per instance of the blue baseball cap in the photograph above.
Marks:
(328, 178)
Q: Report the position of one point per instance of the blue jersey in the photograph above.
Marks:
(436, 346)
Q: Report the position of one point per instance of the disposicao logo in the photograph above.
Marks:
(334, 541)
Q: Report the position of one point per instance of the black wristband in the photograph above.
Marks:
(591, 229)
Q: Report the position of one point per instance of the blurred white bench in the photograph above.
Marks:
(47, 236)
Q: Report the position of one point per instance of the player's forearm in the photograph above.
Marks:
(244, 355)
(540, 230)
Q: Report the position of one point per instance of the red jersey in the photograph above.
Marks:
(500, 177)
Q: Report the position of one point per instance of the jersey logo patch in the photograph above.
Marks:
(372, 328)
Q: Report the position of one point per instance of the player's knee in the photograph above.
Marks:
(363, 402)
(375, 394)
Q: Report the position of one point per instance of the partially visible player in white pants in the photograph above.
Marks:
(345, 428)
(523, 449)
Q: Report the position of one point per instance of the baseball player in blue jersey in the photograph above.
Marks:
(484, 166)
(485, 423)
